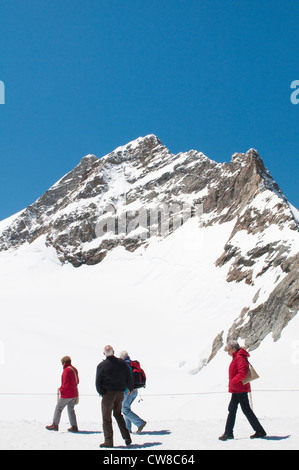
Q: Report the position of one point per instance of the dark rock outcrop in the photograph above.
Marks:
(121, 198)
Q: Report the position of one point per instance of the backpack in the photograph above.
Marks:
(139, 377)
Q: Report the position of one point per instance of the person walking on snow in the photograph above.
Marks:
(68, 396)
(129, 397)
(113, 377)
(237, 373)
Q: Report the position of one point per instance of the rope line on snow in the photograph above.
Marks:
(144, 395)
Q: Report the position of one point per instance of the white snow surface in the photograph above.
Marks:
(165, 305)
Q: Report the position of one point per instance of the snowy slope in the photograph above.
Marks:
(170, 299)
(50, 310)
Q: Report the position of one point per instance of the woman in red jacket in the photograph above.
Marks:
(237, 372)
(68, 395)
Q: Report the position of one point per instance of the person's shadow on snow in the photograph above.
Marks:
(163, 432)
(145, 445)
(276, 438)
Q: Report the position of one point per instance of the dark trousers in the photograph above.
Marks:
(112, 403)
(242, 399)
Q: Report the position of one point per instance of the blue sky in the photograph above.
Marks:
(85, 76)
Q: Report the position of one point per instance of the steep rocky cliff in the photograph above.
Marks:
(141, 191)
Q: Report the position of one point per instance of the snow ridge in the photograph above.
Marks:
(140, 198)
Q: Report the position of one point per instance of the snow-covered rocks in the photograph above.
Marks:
(207, 246)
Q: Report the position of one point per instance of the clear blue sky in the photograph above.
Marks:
(85, 76)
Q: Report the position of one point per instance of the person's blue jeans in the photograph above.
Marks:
(129, 415)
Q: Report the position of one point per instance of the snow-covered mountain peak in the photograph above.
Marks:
(89, 158)
(134, 149)
(140, 196)
(144, 173)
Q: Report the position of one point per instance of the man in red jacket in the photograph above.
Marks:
(237, 372)
(68, 395)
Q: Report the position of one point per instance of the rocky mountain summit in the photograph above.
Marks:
(142, 191)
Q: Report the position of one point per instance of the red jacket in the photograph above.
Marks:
(237, 372)
(69, 382)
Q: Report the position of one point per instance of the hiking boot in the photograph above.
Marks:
(226, 437)
(106, 444)
(52, 427)
(141, 427)
(73, 429)
(258, 435)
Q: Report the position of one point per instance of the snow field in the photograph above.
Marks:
(165, 305)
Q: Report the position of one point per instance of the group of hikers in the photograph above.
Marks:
(117, 382)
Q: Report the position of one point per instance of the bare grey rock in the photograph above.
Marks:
(125, 186)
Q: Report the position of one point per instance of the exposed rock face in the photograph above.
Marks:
(119, 199)
(271, 316)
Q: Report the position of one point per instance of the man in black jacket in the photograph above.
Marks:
(113, 377)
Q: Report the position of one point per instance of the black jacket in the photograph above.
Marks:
(113, 374)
